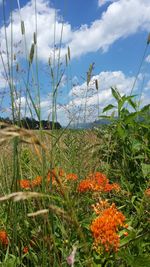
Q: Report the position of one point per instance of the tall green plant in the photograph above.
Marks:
(130, 137)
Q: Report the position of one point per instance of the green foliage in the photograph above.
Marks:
(129, 139)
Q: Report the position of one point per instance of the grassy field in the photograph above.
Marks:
(75, 197)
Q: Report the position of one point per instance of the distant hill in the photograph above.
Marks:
(143, 117)
(90, 125)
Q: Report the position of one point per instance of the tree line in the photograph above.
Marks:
(31, 123)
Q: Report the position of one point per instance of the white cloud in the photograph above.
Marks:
(107, 79)
(121, 19)
(93, 99)
(147, 87)
(147, 59)
(103, 2)
(45, 27)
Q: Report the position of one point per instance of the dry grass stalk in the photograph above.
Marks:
(8, 132)
(17, 196)
(37, 213)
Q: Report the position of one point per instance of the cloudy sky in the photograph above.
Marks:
(109, 34)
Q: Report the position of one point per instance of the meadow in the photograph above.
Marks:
(69, 197)
(76, 197)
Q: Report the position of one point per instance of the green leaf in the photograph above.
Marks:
(146, 108)
(136, 145)
(105, 117)
(146, 170)
(126, 256)
(121, 102)
(139, 157)
(132, 103)
(12, 261)
(109, 107)
(115, 94)
(141, 261)
(129, 118)
(133, 199)
(121, 131)
(126, 240)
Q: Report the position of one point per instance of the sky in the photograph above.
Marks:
(109, 34)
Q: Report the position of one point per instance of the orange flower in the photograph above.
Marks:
(61, 172)
(147, 192)
(37, 181)
(125, 233)
(99, 178)
(3, 238)
(85, 185)
(25, 250)
(72, 176)
(116, 187)
(51, 175)
(25, 184)
(97, 182)
(100, 206)
(104, 228)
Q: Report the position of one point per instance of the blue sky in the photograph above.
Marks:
(110, 34)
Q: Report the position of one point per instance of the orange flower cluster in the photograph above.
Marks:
(97, 182)
(27, 184)
(147, 192)
(37, 181)
(25, 250)
(104, 228)
(85, 185)
(3, 238)
(51, 175)
(72, 176)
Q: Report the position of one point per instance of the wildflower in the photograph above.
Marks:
(3, 238)
(25, 184)
(97, 182)
(71, 257)
(147, 192)
(51, 176)
(109, 187)
(104, 228)
(125, 233)
(85, 185)
(71, 176)
(25, 250)
(99, 178)
(61, 172)
(100, 206)
(37, 181)
(116, 187)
